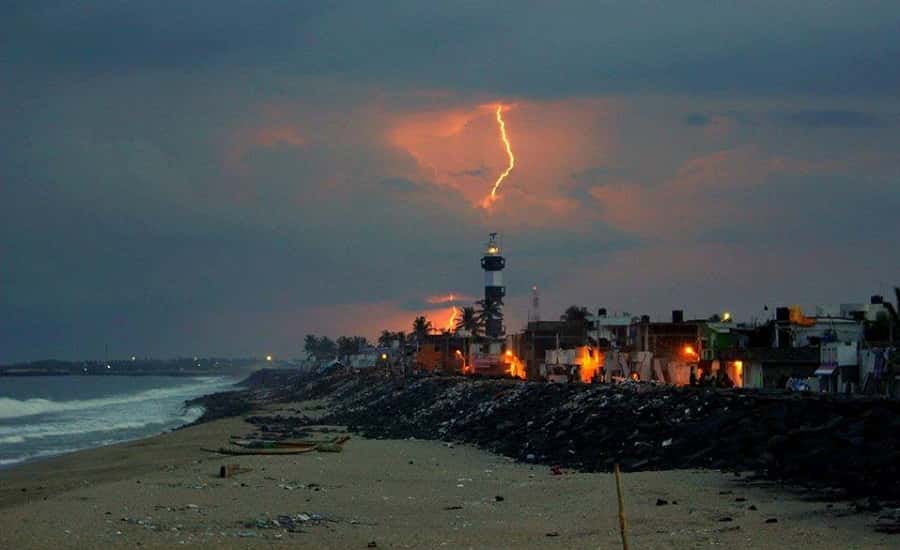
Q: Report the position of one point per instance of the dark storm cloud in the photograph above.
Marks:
(697, 119)
(826, 118)
(536, 49)
(835, 119)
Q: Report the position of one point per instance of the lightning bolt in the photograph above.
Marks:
(452, 322)
(509, 153)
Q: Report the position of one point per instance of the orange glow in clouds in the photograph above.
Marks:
(442, 298)
(509, 153)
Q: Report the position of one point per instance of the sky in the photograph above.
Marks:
(223, 177)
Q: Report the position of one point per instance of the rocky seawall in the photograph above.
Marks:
(849, 445)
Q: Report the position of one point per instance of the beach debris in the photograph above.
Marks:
(227, 471)
(372, 544)
(290, 523)
(890, 526)
(552, 534)
(499, 498)
(771, 520)
(661, 502)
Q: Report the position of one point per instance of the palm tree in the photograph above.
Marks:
(469, 321)
(421, 327)
(577, 319)
(385, 338)
(574, 314)
(894, 317)
(311, 345)
(489, 309)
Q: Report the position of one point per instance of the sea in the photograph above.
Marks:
(42, 416)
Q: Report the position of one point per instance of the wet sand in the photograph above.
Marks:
(164, 491)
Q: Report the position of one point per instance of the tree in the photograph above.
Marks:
(319, 348)
(311, 345)
(386, 338)
(895, 318)
(327, 347)
(469, 321)
(575, 314)
(421, 327)
(576, 319)
(349, 345)
(359, 343)
(488, 309)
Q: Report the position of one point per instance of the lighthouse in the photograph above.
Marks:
(493, 263)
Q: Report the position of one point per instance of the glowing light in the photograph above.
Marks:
(689, 350)
(383, 356)
(591, 362)
(268, 358)
(516, 366)
(739, 366)
(726, 316)
(509, 153)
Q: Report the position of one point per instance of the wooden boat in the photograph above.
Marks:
(266, 447)
(271, 451)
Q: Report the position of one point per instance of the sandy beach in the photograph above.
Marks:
(165, 491)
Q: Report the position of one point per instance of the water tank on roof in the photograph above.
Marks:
(677, 316)
(877, 299)
(601, 312)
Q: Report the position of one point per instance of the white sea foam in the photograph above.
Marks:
(37, 428)
(40, 454)
(91, 426)
(17, 408)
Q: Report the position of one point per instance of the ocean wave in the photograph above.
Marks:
(17, 408)
(89, 438)
(40, 454)
(97, 425)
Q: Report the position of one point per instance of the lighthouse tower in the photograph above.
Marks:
(493, 263)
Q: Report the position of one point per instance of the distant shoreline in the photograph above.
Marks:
(118, 373)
